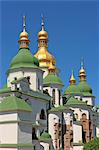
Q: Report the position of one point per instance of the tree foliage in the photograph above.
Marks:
(92, 145)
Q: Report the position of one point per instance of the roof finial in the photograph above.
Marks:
(72, 72)
(72, 78)
(24, 23)
(82, 63)
(42, 22)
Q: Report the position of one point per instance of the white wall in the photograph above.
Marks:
(8, 133)
(77, 133)
(34, 74)
(90, 100)
(8, 117)
(67, 118)
(12, 75)
(52, 119)
(80, 111)
(97, 131)
(77, 147)
(45, 145)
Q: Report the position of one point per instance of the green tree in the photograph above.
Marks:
(92, 145)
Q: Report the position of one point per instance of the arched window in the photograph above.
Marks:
(28, 78)
(42, 114)
(84, 117)
(38, 84)
(33, 134)
(59, 96)
(53, 96)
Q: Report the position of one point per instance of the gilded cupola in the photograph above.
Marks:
(82, 72)
(42, 54)
(72, 79)
(24, 41)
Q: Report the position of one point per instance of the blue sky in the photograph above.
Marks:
(73, 28)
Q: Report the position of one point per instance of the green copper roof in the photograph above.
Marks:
(72, 89)
(21, 145)
(97, 107)
(12, 103)
(58, 109)
(5, 89)
(45, 136)
(74, 101)
(84, 88)
(52, 79)
(23, 59)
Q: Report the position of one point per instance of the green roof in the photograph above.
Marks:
(97, 107)
(73, 101)
(16, 145)
(12, 103)
(45, 136)
(84, 88)
(72, 89)
(5, 89)
(58, 109)
(24, 59)
(52, 79)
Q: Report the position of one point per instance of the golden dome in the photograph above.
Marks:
(24, 41)
(24, 34)
(82, 72)
(42, 34)
(43, 55)
(51, 68)
(72, 79)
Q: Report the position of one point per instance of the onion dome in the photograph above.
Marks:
(45, 136)
(42, 34)
(74, 102)
(72, 88)
(82, 72)
(24, 41)
(24, 58)
(52, 78)
(83, 86)
(43, 55)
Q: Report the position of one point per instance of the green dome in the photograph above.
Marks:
(74, 101)
(52, 79)
(45, 135)
(84, 87)
(24, 59)
(72, 89)
(36, 61)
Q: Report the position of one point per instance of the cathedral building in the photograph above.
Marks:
(34, 113)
